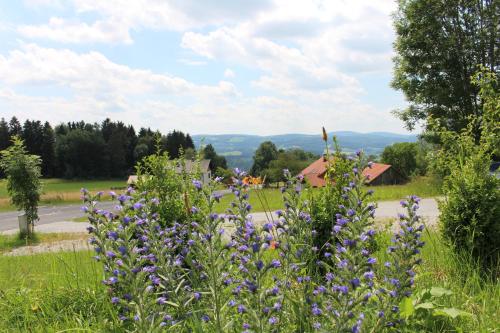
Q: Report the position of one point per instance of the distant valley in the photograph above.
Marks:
(239, 149)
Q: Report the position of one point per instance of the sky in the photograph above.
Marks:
(201, 66)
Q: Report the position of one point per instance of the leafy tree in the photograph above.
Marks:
(264, 154)
(48, 151)
(23, 179)
(403, 158)
(438, 47)
(294, 160)
(217, 161)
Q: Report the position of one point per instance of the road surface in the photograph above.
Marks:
(58, 218)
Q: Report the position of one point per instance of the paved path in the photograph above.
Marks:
(57, 218)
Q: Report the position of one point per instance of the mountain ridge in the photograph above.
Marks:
(239, 148)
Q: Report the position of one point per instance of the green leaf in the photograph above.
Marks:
(450, 312)
(426, 305)
(406, 307)
(439, 292)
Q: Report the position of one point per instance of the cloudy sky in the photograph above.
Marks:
(202, 66)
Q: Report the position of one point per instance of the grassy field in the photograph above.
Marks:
(270, 198)
(56, 292)
(59, 191)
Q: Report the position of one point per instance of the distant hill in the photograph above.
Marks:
(239, 148)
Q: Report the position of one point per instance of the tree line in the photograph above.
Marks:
(109, 149)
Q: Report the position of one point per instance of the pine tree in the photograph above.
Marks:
(15, 127)
(4, 134)
(48, 152)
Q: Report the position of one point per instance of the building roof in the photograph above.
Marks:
(315, 172)
(375, 171)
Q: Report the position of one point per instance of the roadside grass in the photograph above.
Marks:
(10, 242)
(62, 191)
(81, 219)
(270, 198)
(424, 187)
(54, 292)
(62, 291)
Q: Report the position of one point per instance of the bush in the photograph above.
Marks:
(470, 214)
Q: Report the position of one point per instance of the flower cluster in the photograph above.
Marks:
(399, 270)
(227, 273)
(144, 263)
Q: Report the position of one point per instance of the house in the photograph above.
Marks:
(378, 174)
(381, 174)
(188, 166)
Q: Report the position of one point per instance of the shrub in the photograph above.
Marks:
(470, 212)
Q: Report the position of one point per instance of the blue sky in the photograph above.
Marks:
(205, 67)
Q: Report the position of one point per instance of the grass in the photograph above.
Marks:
(53, 292)
(270, 198)
(9, 242)
(62, 291)
(60, 191)
(424, 187)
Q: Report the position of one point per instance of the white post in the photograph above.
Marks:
(23, 223)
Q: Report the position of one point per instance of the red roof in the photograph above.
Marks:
(315, 172)
(376, 170)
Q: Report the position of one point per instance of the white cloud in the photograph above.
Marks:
(304, 57)
(65, 31)
(229, 73)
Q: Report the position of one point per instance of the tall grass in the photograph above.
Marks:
(53, 292)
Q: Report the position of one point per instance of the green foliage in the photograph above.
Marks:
(158, 176)
(81, 153)
(294, 160)
(23, 178)
(216, 161)
(407, 158)
(175, 142)
(264, 154)
(439, 45)
(470, 211)
(325, 203)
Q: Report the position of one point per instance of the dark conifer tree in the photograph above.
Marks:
(48, 151)
(15, 127)
(4, 134)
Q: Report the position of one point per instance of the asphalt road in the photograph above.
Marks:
(56, 218)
